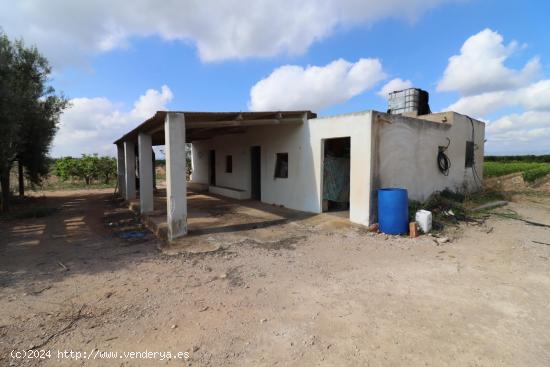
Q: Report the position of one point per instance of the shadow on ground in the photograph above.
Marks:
(88, 233)
(210, 214)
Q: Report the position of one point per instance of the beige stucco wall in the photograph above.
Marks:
(406, 153)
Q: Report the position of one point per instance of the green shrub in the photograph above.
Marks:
(88, 168)
(495, 169)
(519, 158)
(532, 174)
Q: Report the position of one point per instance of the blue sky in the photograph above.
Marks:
(118, 67)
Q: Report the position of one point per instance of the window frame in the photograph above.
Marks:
(229, 163)
(280, 159)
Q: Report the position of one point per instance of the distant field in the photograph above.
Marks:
(530, 170)
(518, 158)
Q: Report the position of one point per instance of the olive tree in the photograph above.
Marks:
(29, 112)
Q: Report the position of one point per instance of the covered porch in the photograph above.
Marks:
(216, 218)
(173, 130)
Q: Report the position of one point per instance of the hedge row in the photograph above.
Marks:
(518, 158)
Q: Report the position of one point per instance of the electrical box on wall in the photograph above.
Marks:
(469, 154)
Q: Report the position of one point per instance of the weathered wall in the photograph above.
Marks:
(406, 153)
(392, 151)
(303, 143)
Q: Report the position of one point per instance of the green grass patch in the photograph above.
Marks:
(496, 169)
(518, 158)
(535, 173)
(530, 170)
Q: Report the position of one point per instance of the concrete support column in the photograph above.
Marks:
(145, 173)
(176, 185)
(120, 169)
(130, 170)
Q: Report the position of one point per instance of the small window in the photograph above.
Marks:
(228, 163)
(469, 154)
(281, 165)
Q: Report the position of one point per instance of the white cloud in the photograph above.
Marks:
(151, 101)
(479, 68)
(481, 105)
(91, 125)
(488, 88)
(67, 30)
(393, 86)
(292, 87)
(535, 96)
(527, 132)
(520, 122)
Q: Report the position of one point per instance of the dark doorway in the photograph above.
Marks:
(256, 173)
(212, 168)
(336, 174)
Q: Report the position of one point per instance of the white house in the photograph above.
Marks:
(301, 161)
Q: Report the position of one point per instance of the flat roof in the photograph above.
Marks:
(204, 125)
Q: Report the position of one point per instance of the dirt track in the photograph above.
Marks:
(309, 292)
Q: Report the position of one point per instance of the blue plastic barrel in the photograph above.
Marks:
(393, 211)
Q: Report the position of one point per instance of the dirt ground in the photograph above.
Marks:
(296, 291)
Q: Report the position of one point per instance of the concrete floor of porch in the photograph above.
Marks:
(212, 217)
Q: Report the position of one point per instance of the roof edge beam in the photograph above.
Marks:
(259, 122)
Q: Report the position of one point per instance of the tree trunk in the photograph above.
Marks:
(5, 184)
(21, 180)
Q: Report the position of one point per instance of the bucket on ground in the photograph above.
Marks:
(393, 210)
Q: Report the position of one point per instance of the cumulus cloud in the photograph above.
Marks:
(535, 96)
(91, 125)
(527, 132)
(488, 87)
(480, 68)
(292, 87)
(393, 86)
(521, 122)
(67, 30)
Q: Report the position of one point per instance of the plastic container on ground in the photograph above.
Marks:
(424, 220)
(393, 210)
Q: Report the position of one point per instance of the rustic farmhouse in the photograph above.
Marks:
(300, 161)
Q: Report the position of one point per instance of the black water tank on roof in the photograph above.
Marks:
(409, 100)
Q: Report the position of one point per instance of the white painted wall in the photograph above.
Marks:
(176, 184)
(272, 139)
(402, 153)
(358, 126)
(303, 143)
(406, 153)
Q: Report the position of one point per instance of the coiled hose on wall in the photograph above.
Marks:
(443, 162)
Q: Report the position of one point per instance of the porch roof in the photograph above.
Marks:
(205, 125)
